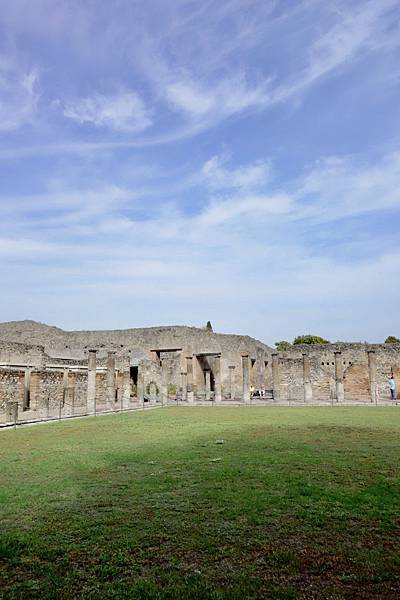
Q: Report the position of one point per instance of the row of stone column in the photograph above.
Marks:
(339, 372)
(188, 380)
(188, 384)
(111, 383)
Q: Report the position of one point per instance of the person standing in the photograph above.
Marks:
(392, 386)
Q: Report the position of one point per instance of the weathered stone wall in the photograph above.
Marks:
(73, 344)
(11, 387)
(21, 353)
(184, 362)
(291, 378)
(354, 361)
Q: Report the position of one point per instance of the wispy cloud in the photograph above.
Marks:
(18, 94)
(200, 69)
(228, 97)
(230, 160)
(219, 176)
(123, 111)
(341, 187)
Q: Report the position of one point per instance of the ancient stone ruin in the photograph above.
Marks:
(46, 372)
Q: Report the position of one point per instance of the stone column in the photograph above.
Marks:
(126, 382)
(231, 374)
(372, 374)
(12, 412)
(307, 378)
(189, 379)
(217, 379)
(27, 390)
(140, 386)
(110, 381)
(339, 377)
(65, 389)
(275, 377)
(184, 385)
(164, 389)
(208, 383)
(91, 383)
(246, 378)
(35, 390)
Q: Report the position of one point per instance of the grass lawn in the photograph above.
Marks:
(295, 503)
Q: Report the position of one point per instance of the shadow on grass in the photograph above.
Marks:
(284, 512)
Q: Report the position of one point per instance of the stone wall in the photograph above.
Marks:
(185, 364)
(21, 353)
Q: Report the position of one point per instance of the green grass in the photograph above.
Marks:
(295, 503)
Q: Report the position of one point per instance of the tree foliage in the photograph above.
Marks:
(309, 339)
(391, 339)
(209, 326)
(282, 345)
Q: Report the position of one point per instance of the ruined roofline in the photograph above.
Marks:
(330, 346)
(17, 329)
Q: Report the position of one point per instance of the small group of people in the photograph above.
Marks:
(256, 393)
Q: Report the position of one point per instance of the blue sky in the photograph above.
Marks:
(174, 162)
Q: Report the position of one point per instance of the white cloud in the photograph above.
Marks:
(215, 99)
(123, 111)
(252, 207)
(357, 31)
(336, 188)
(248, 245)
(250, 176)
(18, 94)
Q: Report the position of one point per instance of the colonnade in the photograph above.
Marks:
(339, 376)
(118, 383)
(188, 384)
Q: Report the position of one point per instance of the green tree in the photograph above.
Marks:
(209, 326)
(391, 339)
(282, 345)
(309, 339)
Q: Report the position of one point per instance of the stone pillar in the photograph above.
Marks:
(140, 386)
(164, 389)
(35, 390)
(184, 385)
(126, 389)
(208, 383)
(275, 377)
(339, 377)
(217, 379)
(125, 377)
(307, 378)
(246, 378)
(65, 388)
(27, 390)
(110, 381)
(189, 379)
(91, 383)
(372, 375)
(12, 412)
(231, 370)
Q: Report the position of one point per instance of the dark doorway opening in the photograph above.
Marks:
(212, 382)
(134, 374)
